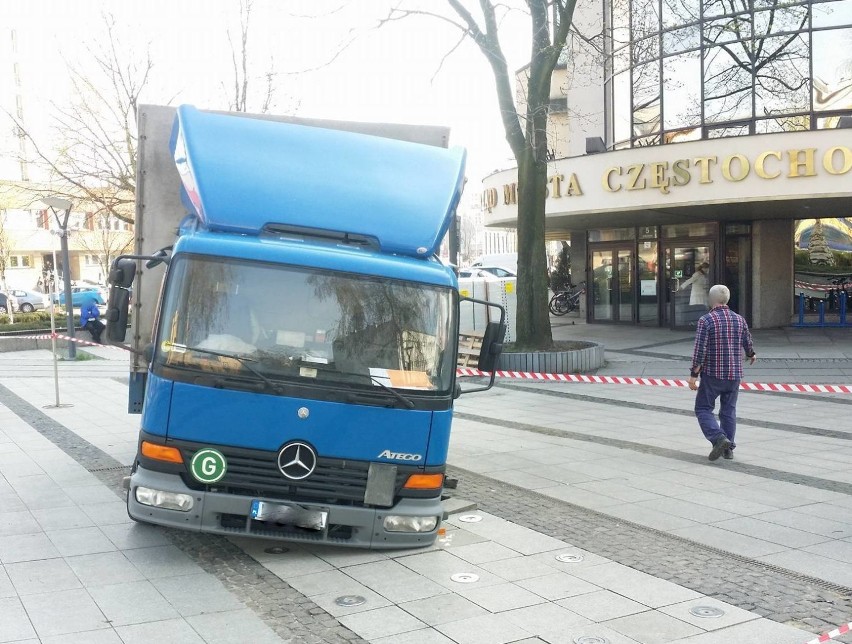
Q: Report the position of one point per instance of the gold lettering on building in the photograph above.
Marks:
(556, 185)
(607, 179)
(510, 194)
(744, 167)
(846, 160)
(634, 173)
(659, 178)
(489, 199)
(573, 186)
(704, 164)
(760, 164)
(797, 163)
(680, 168)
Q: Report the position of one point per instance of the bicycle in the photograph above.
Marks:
(563, 302)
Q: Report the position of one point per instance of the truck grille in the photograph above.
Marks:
(255, 473)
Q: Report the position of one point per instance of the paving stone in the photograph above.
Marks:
(382, 622)
(652, 627)
(602, 605)
(545, 620)
(772, 532)
(62, 518)
(480, 553)
(519, 568)
(394, 581)
(26, 547)
(170, 631)
(132, 603)
(66, 611)
(126, 536)
(44, 576)
(636, 585)
(421, 636)
(557, 585)
(161, 561)
(233, 627)
(486, 629)
(14, 623)
(104, 569)
(759, 631)
(103, 636)
(80, 541)
(443, 608)
(501, 597)
(327, 601)
(197, 594)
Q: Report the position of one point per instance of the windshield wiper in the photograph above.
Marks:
(243, 360)
(405, 401)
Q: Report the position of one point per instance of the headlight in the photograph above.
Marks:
(395, 523)
(165, 500)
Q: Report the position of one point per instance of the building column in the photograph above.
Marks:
(578, 264)
(772, 273)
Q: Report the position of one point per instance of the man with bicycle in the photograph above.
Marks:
(720, 338)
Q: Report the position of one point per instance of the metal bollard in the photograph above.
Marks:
(801, 309)
(844, 302)
(822, 313)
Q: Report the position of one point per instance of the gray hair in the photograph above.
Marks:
(719, 294)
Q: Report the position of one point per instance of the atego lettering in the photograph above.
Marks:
(400, 456)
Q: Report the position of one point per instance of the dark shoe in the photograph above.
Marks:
(729, 454)
(719, 446)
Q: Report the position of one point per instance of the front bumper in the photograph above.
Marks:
(228, 514)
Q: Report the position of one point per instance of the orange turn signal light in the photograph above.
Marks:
(161, 452)
(424, 482)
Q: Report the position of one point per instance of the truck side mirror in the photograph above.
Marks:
(492, 346)
(123, 273)
(117, 313)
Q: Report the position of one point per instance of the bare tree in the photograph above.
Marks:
(5, 247)
(549, 23)
(242, 81)
(95, 156)
(105, 239)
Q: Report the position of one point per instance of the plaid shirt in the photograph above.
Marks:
(720, 337)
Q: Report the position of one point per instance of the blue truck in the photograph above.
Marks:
(295, 343)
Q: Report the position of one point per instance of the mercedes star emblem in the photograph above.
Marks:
(297, 461)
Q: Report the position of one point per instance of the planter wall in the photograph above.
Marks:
(576, 361)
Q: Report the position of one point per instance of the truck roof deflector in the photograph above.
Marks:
(242, 174)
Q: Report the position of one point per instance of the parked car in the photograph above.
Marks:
(28, 301)
(7, 303)
(487, 271)
(80, 295)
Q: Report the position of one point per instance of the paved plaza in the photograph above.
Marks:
(598, 516)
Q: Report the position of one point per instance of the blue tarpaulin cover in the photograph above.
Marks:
(240, 174)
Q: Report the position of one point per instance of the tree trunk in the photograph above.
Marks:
(533, 321)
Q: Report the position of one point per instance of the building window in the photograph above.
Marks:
(20, 261)
(679, 70)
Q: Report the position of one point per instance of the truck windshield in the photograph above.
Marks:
(305, 325)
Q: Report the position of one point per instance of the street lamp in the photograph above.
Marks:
(58, 203)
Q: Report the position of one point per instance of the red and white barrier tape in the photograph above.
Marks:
(830, 635)
(654, 382)
(814, 287)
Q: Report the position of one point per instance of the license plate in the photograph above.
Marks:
(288, 514)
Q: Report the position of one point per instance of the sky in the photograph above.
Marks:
(385, 74)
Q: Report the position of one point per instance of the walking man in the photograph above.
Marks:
(720, 338)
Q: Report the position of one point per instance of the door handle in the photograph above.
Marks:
(676, 285)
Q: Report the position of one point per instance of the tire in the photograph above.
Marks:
(26, 307)
(559, 304)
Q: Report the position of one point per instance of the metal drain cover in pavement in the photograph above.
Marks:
(590, 639)
(465, 577)
(567, 557)
(276, 550)
(350, 600)
(470, 518)
(706, 611)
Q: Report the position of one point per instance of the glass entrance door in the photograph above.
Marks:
(689, 275)
(611, 284)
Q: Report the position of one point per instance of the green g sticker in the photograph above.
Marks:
(208, 465)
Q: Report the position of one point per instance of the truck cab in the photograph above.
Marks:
(301, 369)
